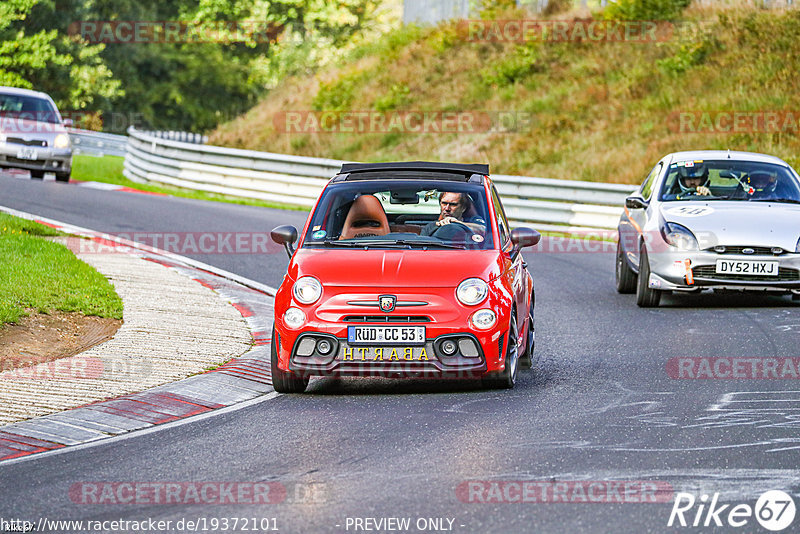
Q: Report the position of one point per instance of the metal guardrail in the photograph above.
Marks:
(97, 143)
(546, 203)
(185, 137)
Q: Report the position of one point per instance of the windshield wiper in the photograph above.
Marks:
(329, 243)
(360, 243)
(428, 243)
(403, 243)
(786, 200)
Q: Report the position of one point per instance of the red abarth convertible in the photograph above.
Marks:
(405, 270)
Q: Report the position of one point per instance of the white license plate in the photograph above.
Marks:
(27, 153)
(386, 335)
(748, 267)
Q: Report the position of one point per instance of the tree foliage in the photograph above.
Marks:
(35, 57)
(186, 84)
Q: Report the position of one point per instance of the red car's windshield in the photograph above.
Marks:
(401, 214)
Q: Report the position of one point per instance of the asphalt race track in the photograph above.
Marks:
(601, 406)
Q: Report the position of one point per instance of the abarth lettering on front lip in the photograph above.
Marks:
(375, 354)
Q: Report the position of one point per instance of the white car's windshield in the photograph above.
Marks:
(730, 180)
(407, 214)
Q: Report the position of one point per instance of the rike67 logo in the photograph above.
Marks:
(774, 510)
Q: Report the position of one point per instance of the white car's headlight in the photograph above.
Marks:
(2, 138)
(679, 236)
(307, 290)
(472, 291)
(294, 317)
(483, 319)
(61, 141)
(797, 247)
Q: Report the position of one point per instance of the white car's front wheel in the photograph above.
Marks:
(646, 297)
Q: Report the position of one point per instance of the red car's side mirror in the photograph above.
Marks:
(525, 237)
(285, 235)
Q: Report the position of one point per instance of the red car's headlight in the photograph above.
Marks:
(307, 290)
(472, 291)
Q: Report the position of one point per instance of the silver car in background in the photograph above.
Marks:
(708, 219)
(33, 135)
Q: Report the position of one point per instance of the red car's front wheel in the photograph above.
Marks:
(284, 381)
(506, 378)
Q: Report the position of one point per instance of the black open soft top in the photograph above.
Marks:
(467, 170)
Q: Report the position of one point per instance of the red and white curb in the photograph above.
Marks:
(241, 379)
(114, 187)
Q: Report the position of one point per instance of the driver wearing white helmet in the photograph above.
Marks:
(692, 181)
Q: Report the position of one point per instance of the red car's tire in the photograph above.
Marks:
(527, 360)
(284, 381)
(506, 378)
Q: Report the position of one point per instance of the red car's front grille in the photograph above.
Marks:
(758, 251)
(387, 319)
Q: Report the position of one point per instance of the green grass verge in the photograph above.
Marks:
(15, 226)
(108, 169)
(45, 276)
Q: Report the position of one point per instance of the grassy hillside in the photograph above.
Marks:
(601, 111)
